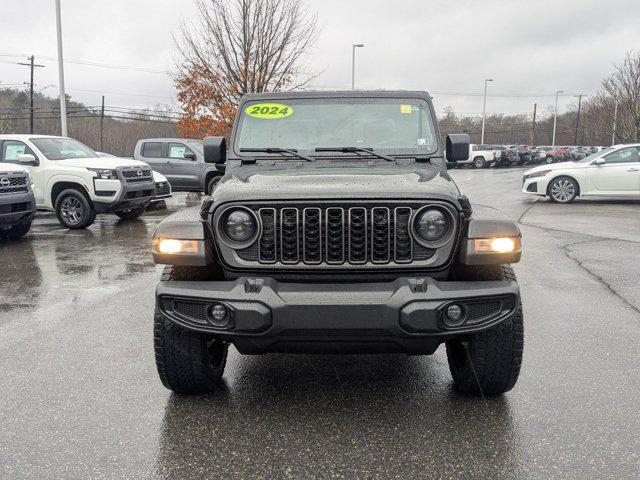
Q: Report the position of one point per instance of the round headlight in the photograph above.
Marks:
(432, 224)
(239, 226)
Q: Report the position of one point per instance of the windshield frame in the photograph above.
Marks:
(35, 140)
(594, 156)
(235, 154)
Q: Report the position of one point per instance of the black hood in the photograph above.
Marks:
(292, 180)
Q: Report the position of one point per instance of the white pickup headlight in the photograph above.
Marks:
(104, 173)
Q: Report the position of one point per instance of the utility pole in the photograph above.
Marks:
(63, 98)
(484, 108)
(533, 126)
(555, 119)
(615, 119)
(102, 125)
(353, 63)
(32, 66)
(578, 119)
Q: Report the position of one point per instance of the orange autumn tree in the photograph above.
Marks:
(237, 47)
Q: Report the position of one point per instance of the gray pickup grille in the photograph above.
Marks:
(137, 175)
(333, 235)
(13, 184)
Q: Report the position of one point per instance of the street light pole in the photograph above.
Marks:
(578, 117)
(63, 99)
(555, 118)
(484, 107)
(353, 63)
(615, 119)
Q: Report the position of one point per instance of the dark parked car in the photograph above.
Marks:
(180, 160)
(550, 154)
(508, 156)
(331, 239)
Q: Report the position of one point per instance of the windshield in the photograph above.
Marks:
(197, 146)
(594, 155)
(388, 125)
(63, 148)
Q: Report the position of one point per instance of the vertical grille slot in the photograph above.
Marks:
(335, 235)
(312, 235)
(267, 244)
(403, 243)
(380, 235)
(289, 238)
(357, 235)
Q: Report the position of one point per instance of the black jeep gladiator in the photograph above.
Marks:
(337, 229)
(17, 203)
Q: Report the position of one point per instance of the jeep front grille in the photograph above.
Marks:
(331, 235)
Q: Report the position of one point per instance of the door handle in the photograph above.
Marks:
(633, 170)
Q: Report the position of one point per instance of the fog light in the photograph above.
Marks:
(454, 315)
(219, 315)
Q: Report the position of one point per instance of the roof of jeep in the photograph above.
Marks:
(338, 94)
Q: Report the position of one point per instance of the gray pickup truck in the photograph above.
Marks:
(337, 228)
(181, 161)
(17, 202)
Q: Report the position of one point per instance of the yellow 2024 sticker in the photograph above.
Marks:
(268, 110)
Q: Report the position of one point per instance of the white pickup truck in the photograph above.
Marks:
(75, 182)
(481, 156)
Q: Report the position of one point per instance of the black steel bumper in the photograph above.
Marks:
(406, 315)
(16, 208)
(132, 195)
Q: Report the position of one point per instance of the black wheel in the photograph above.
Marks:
(488, 362)
(479, 162)
(188, 362)
(212, 184)
(549, 159)
(16, 231)
(74, 210)
(562, 190)
(132, 213)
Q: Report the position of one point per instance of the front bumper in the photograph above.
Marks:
(406, 315)
(16, 208)
(131, 195)
(535, 185)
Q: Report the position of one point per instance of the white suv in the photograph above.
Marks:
(75, 182)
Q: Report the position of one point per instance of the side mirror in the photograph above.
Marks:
(189, 155)
(215, 150)
(27, 159)
(600, 161)
(457, 147)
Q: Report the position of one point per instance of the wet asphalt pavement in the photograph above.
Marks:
(79, 395)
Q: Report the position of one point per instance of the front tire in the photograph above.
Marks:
(549, 160)
(132, 213)
(488, 362)
(188, 362)
(74, 210)
(562, 190)
(16, 231)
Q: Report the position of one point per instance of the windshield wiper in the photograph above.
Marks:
(356, 150)
(279, 150)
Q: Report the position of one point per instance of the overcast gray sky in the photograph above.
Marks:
(447, 47)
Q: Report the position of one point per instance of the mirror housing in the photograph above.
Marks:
(599, 161)
(215, 150)
(27, 159)
(190, 155)
(457, 147)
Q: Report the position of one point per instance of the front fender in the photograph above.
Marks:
(489, 223)
(183, 225)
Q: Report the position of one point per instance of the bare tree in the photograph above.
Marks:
(240, 46)
(624, 87)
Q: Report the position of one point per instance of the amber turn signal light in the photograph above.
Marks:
(171, 246)
(496, 245)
